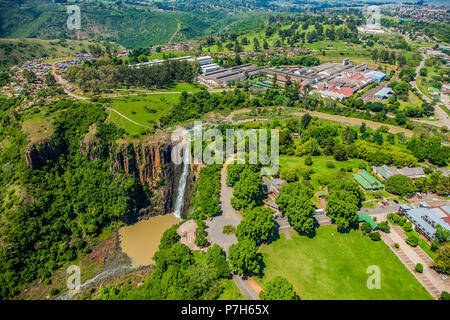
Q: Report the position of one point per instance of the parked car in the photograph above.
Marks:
(396, 201)
(419, 196)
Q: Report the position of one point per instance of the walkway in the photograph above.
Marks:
(410, 256)
(136, 123)
(443, 118)
(229, 216)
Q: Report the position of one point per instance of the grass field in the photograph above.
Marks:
(333, 265)
(321, 171)
(231, 291)
(136, 108)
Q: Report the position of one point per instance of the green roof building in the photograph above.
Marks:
(367, 181)
(369, 220)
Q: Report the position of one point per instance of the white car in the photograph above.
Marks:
(444, 278)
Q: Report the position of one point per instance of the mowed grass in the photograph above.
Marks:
(333, 266)
(321, 172)
(231, 291)
(137, 109)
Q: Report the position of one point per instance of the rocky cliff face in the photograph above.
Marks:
(37, 154)
(149, 161)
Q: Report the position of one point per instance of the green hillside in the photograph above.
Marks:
(15, 51)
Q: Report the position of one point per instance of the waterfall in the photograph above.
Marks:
(182, 184)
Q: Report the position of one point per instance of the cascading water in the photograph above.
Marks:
(182, 184)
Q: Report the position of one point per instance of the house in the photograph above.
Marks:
(385, 172)
(273, 186)
(366, 181)
(377, 76)
(384, 93)
(426, 218)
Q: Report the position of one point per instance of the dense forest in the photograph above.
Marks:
(106, 73)
(68, 202)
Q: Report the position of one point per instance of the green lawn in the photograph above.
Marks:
(321, 171)
(332, 265)
(231, 291)
(134, 107)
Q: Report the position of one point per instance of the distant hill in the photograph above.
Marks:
(15, 51)
(129, 25)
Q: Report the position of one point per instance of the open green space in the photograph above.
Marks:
(143, 109)
(321, 171)
(333, 265)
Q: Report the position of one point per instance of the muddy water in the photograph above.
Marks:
(140, 241)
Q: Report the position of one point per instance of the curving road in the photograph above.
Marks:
(228, 216)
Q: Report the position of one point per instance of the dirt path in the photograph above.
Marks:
(345, 120)
(175, 33)
(138, 124)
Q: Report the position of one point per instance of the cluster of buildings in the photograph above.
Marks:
(205, 60)
(336, 80)
(426, 218)
(385, 172)
(222, 77)
(439, 54)
(371, 28)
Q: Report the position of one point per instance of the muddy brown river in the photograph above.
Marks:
(140, 240)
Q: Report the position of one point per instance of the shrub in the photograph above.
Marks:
(445, 296)
(54, 291)
(330, 164)
(290, 175)
(412, 240)
(419, 268)
(308, 161)
(396, 245)
(375, 236)
(201, 241)
(384, 226)
(407, 227)
(228, 229)
(366, 228)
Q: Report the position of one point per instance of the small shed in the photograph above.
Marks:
(384, 93)
(368, 219)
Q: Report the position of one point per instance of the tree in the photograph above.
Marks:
(366, 228)
(306, 119)
(412, 240)
(308, 161)
(215, 256)
(290, 175)
(375, 236)
(295, 203)
(278, 288)
(244, 258)
(340, 152)
(419, 268)
(169, 238)
(442, 262)
(258, 225)
(400, 185)
(248, 191)
(343, 201)
(378, 137)
(384, 226)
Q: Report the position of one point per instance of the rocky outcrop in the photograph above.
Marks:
(150, 162)
(37, 154)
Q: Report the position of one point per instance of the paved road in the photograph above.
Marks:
(443, 118)
(228, 216)
(410, 256)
